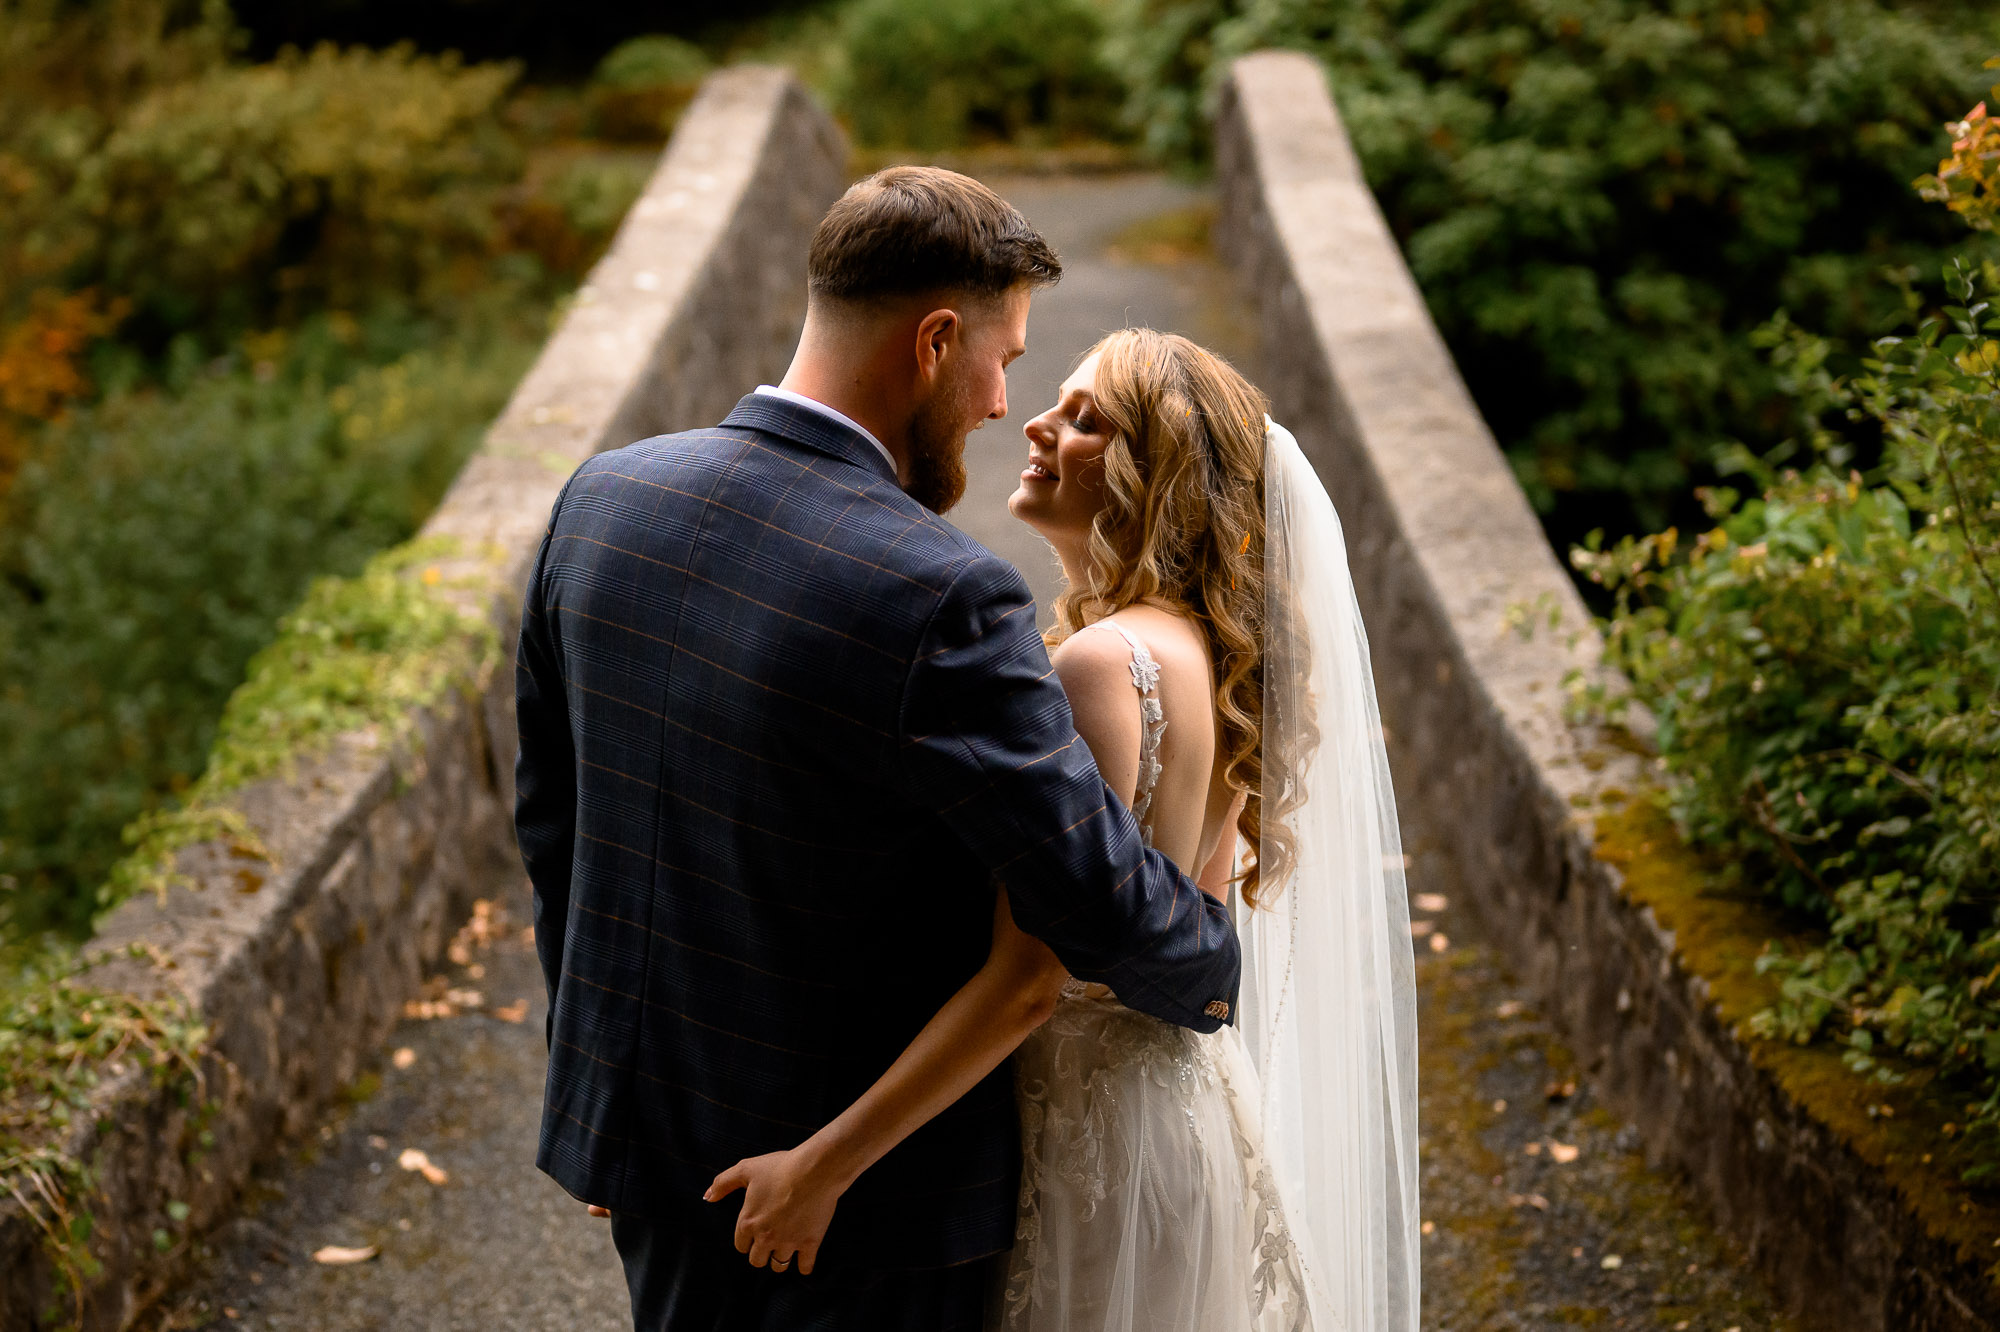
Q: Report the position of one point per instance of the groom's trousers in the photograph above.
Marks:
(685, 1275)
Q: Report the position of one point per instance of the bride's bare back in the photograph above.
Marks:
(1192, 807)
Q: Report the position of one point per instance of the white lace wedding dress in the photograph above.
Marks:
(1147, 1201)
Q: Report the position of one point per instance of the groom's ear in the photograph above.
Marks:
(938, 335)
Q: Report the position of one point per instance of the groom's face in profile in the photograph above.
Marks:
(965, 361)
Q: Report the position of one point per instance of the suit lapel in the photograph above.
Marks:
(802, 425)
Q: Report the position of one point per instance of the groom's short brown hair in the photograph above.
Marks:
(910, 229)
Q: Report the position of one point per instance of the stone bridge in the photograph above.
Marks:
(1599, 1148)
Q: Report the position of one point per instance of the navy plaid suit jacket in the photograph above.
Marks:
(782, 730)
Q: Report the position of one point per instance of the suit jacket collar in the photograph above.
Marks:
(801, 425)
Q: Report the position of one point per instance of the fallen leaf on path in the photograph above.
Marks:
(514, 1012)
(1611, 1262)
(1562, 1153)
(333, 1255)
(403, 1057)
(1439, 943)
(465, 998)
(414, 1159)
(378, 1142)
(1533, 1149)
(1513, 1008)
(1534, 1200)
(1561, 1091)
(1419, 928)
(1431, 901)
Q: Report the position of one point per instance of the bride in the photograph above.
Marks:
(1263, 1177)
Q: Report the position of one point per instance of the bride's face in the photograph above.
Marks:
(1062, 488)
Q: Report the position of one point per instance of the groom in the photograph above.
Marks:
(783, 730)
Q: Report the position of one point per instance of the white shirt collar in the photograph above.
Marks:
(815, 405)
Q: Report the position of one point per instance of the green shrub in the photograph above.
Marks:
(256, 193)
(571, 202)
(652, 62)
(360, 653)
(924, 75)
(1825, 666)
(642, 85)
(170, 480)
(66, 70)
(1602, 202)
(157, 537)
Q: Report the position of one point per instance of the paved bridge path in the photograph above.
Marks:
(1539, 1213)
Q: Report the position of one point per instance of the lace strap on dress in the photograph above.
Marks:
(1153, 724)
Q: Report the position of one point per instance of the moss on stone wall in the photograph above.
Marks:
(59, 1040)
(361, 656)
(1907, 1129)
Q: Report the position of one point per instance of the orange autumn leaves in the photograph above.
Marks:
(41, 365)
(1968, 181)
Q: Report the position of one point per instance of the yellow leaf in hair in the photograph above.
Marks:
(1244, 549)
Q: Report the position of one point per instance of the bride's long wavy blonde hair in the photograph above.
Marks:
(1182, 528)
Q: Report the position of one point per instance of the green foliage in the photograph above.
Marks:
(57, 1036)
(1603, 201)
(360, 654)
(159, 535)
(642, 84)
(924, 75)
(64, 70)
(1824, 664)
(652, 62)
(254, 193)
(571, 203)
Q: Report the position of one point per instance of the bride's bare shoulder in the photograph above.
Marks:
(1173, 639)
(1095, 667)
(1092, 660)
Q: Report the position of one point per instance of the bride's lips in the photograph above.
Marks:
(1036, 472)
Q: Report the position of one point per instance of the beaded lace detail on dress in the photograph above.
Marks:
(1152, 725)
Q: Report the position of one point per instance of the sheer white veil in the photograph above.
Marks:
(1328, 1004)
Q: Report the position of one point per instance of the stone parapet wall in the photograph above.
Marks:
(377, 851)
(1497, 789)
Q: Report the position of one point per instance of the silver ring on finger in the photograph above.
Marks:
(781, 1264)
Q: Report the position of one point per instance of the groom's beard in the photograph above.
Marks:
(936, 452)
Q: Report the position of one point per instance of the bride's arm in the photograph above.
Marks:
(789, 1197)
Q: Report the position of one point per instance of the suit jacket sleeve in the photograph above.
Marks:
(544, 775)
(987, 741)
